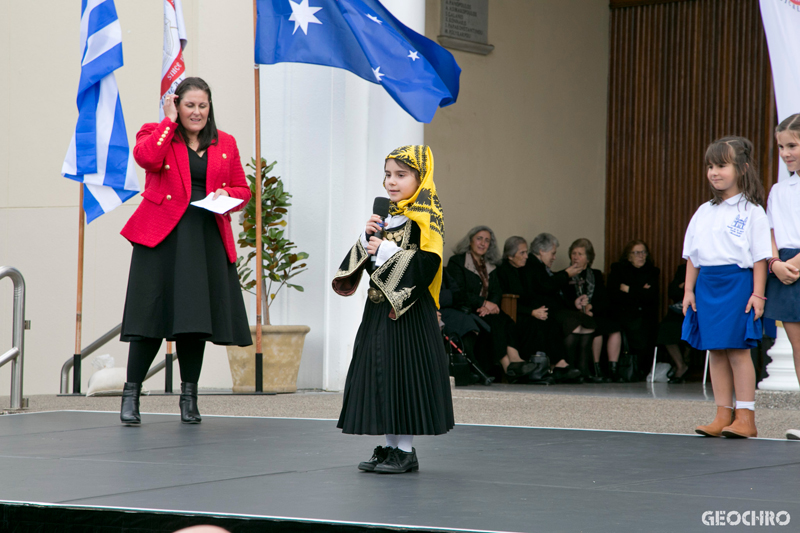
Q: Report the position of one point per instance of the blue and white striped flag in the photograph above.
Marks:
(99, 155)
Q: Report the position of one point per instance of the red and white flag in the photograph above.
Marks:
(173, 69)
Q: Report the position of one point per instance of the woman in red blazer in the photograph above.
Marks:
(183, 284)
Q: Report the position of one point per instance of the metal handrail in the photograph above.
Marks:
(16, 354)
(89, 350)
(86, 352)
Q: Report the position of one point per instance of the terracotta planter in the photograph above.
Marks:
(282, 347)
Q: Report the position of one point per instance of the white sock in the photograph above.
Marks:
(391, 441)
(746, 405)
(404, 442)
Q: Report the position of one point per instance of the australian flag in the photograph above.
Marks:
(363, 37)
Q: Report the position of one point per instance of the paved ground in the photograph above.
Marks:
(632, 407)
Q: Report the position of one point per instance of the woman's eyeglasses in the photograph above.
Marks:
(640, 253)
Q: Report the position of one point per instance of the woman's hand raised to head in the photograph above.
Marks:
(171, 108)
(374, 225)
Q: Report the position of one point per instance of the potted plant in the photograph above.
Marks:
(282, 346)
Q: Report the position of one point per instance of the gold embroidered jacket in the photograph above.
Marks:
(402, 280)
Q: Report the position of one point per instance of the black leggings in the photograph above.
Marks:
(141, 354)
(579, 350)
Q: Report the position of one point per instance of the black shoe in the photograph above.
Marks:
(399, 462)
(517, 370)
(379, 455)
(129, 412)
(674, 378)
(599, 377)
(567, 373)
(615, 377)
(188, 404)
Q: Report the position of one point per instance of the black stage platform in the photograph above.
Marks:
(270, 474)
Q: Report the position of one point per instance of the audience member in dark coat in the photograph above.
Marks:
(535, 330)
(633, 287)
(669, 331)
(473, 269)
(590, 283)
(577, 328)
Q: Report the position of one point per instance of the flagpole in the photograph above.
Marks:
(76, 361)
(259, 252)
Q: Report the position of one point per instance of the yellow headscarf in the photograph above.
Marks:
(423, 207)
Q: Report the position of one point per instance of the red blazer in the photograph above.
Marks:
(168, 183)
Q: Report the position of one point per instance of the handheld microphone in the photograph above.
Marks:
(380, 207)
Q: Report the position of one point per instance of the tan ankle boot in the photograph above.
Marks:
(743, 427)
(714, 429)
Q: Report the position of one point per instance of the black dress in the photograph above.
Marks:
(492, 345)
(185, 286)
(533, 335)
(636, 310)
(598, 297)
(398, 382)
(550, 287)
(669, 331)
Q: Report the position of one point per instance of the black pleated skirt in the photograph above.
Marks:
(398, 382)
(185, 286)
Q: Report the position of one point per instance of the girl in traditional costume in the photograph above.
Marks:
(398, 383)
(726, 247)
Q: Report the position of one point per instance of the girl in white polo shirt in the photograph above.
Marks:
(726, 246)
(783, 211)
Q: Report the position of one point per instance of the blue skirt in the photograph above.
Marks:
(720, 323)
(783, 301)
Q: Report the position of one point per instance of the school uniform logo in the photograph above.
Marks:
(737, 227)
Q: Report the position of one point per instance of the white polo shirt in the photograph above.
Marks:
(783, 212)
(734, 232)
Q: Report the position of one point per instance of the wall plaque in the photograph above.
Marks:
(465, 25)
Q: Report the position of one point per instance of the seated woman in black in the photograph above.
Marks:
(633, 288)
(598, 306)
(473, 269)
(669, 331)
(577, 328)
(535, 331)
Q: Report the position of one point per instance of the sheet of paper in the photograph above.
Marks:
(221, 205)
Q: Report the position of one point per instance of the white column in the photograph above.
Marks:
(330, 132)
(781, 370)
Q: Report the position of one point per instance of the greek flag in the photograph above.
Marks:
(99, 155)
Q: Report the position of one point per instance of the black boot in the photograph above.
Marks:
(129, 412)
(599, 377)
(399, 462)
(615, 377)
(188, 403)
(379, 455)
